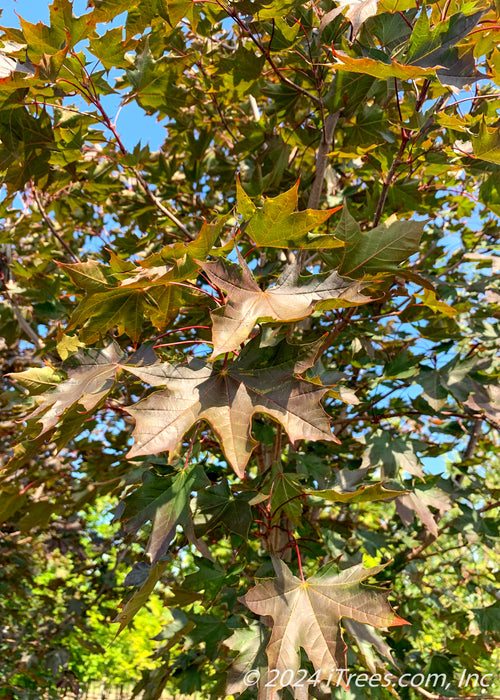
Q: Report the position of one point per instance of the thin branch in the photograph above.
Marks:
(234, 15)
(333, 335)
(32, 335)
(415, 553)
(389, 178)
(50, 224)
(140, 177)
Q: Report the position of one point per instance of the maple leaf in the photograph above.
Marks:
(86, 385)
(121, 294)
(292, 298)
(139, 598)
(250, 643)
(181, 259)
(487, 144)
(167, 505)
(378, 250)
(418, 502)
(379, 69)
(369, 642)
(278, 225)
(365, 494)
(356, 11)
(262, 380)
(307, 614)
(485, 399)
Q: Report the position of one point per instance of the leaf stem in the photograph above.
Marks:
(299, 560)
(178, 330)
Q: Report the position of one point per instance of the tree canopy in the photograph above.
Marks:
(250, 403)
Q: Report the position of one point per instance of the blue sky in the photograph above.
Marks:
(133, 123)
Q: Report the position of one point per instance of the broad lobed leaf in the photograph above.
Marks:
(307, 614)
(261, 380)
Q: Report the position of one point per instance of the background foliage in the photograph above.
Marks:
(318, 228)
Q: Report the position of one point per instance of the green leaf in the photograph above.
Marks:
(37, 379)
(287, 496)
(430, 47)
(436, 48)
(106, 10)
(380, 69)
(365, 494)
(183, 258)
(110, 49)
(165, 503)
(380, 249)
(391, 455)
(486, 144)
(217, 505)
(139, 599)
(177, 9)
(418, 502)
(91, 276)
(367, 638)
(210, 578)
(430, 300)
(250, 643)
(277, 224)
(151, 79)
(207, 629)
(101, 311)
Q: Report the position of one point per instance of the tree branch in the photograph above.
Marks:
(389, 178)
(50, 224)
(322, 160)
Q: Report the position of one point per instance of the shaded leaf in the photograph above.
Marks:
(430, 47)
(367, 638)
(418, 502)
(261, 380)
(217, 505)
(487, 401)
(87, 385)
(250, 643)
(380, 249)
(207, 629)
(356, 11)
(166, 505)
(391, 454)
